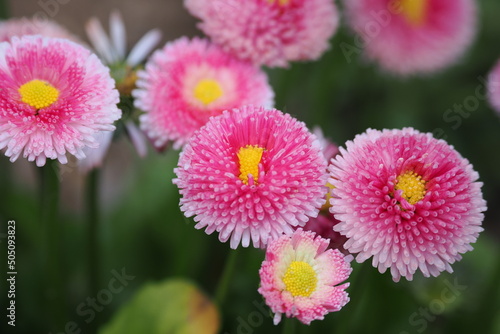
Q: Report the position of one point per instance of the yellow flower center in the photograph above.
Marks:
(208, 91)
(412, 185)
(249, 158)
(300, 279)
(414, 11)
(280, 2)
(38, 93)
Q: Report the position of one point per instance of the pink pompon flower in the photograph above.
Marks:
(55, 97)
(299, 277)
(268, 32)
(188, 82)
(413, 36)
(494, 87)
(19, 27)
(251, 174)
(406, 199)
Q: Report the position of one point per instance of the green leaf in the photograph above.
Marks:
(170, 307)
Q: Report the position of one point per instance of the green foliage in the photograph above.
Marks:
(173, 306)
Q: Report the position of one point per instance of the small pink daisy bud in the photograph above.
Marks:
(494, 87)
(413, 36)
(55, 97)
(252, 175)
(323, 226)
(188, 82)
(268, 32)
(406, 199)
(299, 277)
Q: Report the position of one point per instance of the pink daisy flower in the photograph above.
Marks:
(406, 199)
(268, 32)
(22, 26)
(251, 174)
(188, 82)
(299, 277)
(55, 97)
(413, 36)
(494, 87)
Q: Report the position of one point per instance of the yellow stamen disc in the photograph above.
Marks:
(38, 93)
(249, 158)
(412, 185)
(300, 279)
(208, 91)
(415, 11)
(280, 2)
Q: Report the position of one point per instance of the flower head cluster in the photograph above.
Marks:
(188, 82)
(56, 96)
(252, 175)
(268, 32)
(300, 277)
(406, 199)
(413, 36)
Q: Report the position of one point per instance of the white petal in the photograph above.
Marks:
(137, 138)
(145, 45)
(100, 40)
(118, 34)
(95, 156)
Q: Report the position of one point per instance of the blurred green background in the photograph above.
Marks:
(141, 227)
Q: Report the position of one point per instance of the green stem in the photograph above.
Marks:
(289, 326)
(222, 287)
(487, 312)
(92, 231)
(52, 244)
(92, 204)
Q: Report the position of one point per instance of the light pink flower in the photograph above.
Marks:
(268, 32)
(188, 82)
(406, 199)
(251, 174)
(299, 277)
(20, 27)
(413, 36)
(494, 87)
(55, 97)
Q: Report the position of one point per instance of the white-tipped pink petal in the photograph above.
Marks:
(144, 47)
(118, 34)
(137, 138)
